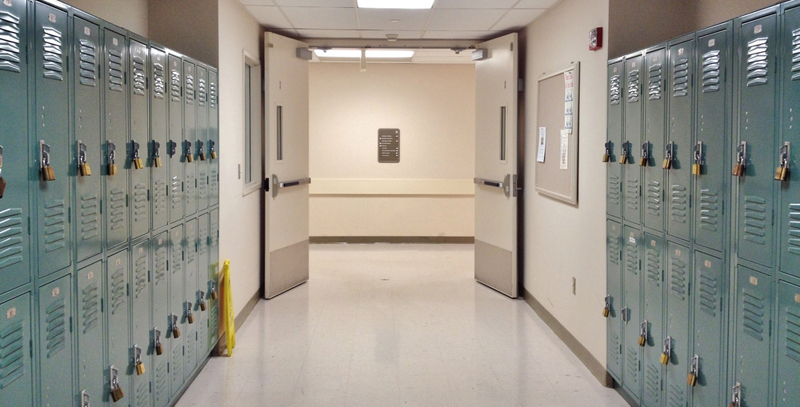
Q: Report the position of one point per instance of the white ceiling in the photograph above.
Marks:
(449, 19)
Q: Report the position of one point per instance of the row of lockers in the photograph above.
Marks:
(703, 272)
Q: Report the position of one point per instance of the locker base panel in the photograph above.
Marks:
(392, 239)
(630, 400)
(493, 268)
(239, 321)
(294, 261)
(189, 381)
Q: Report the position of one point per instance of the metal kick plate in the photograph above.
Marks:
(388, 145)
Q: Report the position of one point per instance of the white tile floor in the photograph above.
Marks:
(396, 325)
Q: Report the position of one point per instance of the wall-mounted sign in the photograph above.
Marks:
(388, 145)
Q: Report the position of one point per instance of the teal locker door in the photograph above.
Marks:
(90, 330)
(15, 268)
(87, 143)
(16, 377)
(190, 135)
(158, 159)
(140, 139)
(788, 390)
(202, 138)
(175, 144)
(614, 140)
(120, 354)
(654, 129)
(710, 337)
(679, 277)
(632, 280)
(633, 139)
(790, 191)
(213, 278)
(159, 250)
(141, 312)
(614, 298)
(756, 64)
(190, 294)
(177, 308)
(203, 295)
(680, 138)
(116, 139)
(51, 141)
(213, 138)
(55, 343)
(752, 329)
(712, 136)
(653, 317)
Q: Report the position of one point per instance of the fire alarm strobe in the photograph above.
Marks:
(596, 39)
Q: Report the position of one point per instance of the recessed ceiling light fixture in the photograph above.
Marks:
(371, 53)
(396, 4)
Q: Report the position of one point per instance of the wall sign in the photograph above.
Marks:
(388, 145)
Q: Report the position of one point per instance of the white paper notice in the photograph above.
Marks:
(569, 87)
(542, 144)
(564, 150)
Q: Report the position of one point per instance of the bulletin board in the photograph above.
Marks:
(557, 131)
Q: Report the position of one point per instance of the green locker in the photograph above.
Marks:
(203, 294)
(190, 138)
(87, 142)
(756, 85)
(709, 335)
(15, 267)
(175, 145)
(213, 277)
(177, 308)
(676, 342)
(790, 95)
(120, 354)
(89, 325)
(192, 309)
(614, 298)
(140, 139)
(141, 311)
(752, 336)
(116, 139)
(614, 141)
(634, 106)
(50, 143)
(632, 311)
(213, 138)
(655, 107)
(159, 251)
(55, 343)
(788, 380)
(679, 139)
(16, 365)
(652, 325)
(158, 160)
(712, 135)
(202, 138)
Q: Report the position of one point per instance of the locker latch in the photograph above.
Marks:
(157, 342)
(137, 360)
(172, 148)
(84, 170)
(645, 155)
(736, 398)
(626, 152)
(176, 332)
(694, 371)
(86, 401)
(782, 173)
(46, 170)
(625, 315)
(116, 389)
(203, 305)
(137, 161)
(213, 285)
(111, 151)
(188, 151)
(189, 315)
(669, 156)
(156, 154)
(697, 165)
(667, 352)
(607, 307)
(200, 151)
(212, 148)
(643, 333)
(741, 160)
(607, 154)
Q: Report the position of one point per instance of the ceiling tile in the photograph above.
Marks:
(536, 3)
(257, 2)
(378, 19)
(403, 35)
(269, 16)
(315, 3)
(464, 20)
(322, 18)
(329, 33)
(475, 4)
(516, 19)
(458, 35)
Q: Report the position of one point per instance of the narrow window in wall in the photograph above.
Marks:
(252, 125)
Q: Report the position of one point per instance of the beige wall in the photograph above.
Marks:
(710, 12)
(192, 27)
(128, 14)
(434, 108)
(564, 241)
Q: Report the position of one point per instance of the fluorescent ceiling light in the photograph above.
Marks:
(371, 53)
(396, 4)
(389, 53)
(338, 53)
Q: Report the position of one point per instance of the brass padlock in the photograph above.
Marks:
(189, 158)
(643, 162)
(697, 166)
(111, 167)
(83, 167)
(695, 169)
(159, 348)
(137, 161)
(85, 170)
(140, 368)
(46, 170)
(137, 359)
(189, 315)
(623, 159)
(203, 306)
(607, 154)
(201, 150)
(665, 355)
(741, 160)
(606, 158)
(157, 162)
(664, 359)
(643, 334)
(607, 307)
(48, 174)
(668, 157)
(738, 170)
(212, 149)
(779, 174)
(176, 332)
(667, 164)
(116, 389)
(189, 153)
(213, 290)
(213, 155)
(693, 371)
(190, 318)
(117, 394)
(782, 172)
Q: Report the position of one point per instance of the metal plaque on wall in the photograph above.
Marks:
(388, 145)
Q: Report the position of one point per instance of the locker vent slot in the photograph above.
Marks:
(613, 249)
(90, 215)
(53, 63)
(90, 307)
(213, 184)
(161, 265)
(654, 267)
(159, 197)
(614, 353)
(9, 45)
(795, 55)
(11, 238)
(679, 204)
(115, 80)
(757, 61)
(711, 71)
(215, 234)
(191, 253)
(202, 248)
(159, 85)
(632, 259)
(55, 217)
(190, 187)
(161, 382)
(56, 331)
(654, 198)
(755, 220)
(202, 336)
(202, 187)
(678, 278)
(12, 359)
(176, 366)
(794, 229)
(655, 80)
(677, 395)
(138, 76)
(189, 89)
(142, 392)
(753, 311)
(202, 93)
(140, 276)
(633, 86)
(177, 198)
(191, 348)
(614, 90)
(632, 364)
(140, 204)
(709, 212)
(680, 77)
(613, 190)
(212, 95)
(708, 292)
(177, 260)
(117, 291)
(653, 381)
(117, 209)
(632, 194)
(88, 63)
(175, 90)
(793, 334)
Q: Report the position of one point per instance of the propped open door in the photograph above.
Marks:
(496, 142)
(286, 162)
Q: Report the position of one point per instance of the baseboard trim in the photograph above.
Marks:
(222, 345)
(392, 239)
(583, 354)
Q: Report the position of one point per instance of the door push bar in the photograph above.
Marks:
(277, 185)
(505, 185)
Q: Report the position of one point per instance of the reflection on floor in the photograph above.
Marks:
(396, 325)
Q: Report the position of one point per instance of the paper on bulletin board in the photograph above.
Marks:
(564, 149)
(569, 88)
(542, 144)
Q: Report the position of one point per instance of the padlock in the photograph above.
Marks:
(117, 394)
(643, 334)
(665, 355)
(664, 359)
(697, 165)
(779, 174)
(140, 368)
(112, 154)
(213, 150)
(46, 170)
(623, 159)
(137, 360)
(741, 160)
(203, 301)
(176, 333)
(189, 158)
(213, 290)
(695, 169)
(159, 348)
(606, 155)
(116, 389)
(607, 307)
(189, 153)
(157, 162)
(201, 150)
(738, 170)
(693, 371)
(782, 172)
(137, 161)
(606, 158)
(84, 170)
(643, 162)
(667, 164)
(83, 167)
(2, 187)
(189, 315)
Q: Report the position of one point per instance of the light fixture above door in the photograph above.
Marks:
(396, 4)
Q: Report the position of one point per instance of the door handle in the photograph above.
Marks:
(508, 185)
(277, 185)
(488, 183)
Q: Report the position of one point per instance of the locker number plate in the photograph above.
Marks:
(708, 264)
(753, 281)
(90, 275)
(55, 292)
(11, 313)
(7, 2)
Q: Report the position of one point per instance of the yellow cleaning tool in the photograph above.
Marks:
(230, 323)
